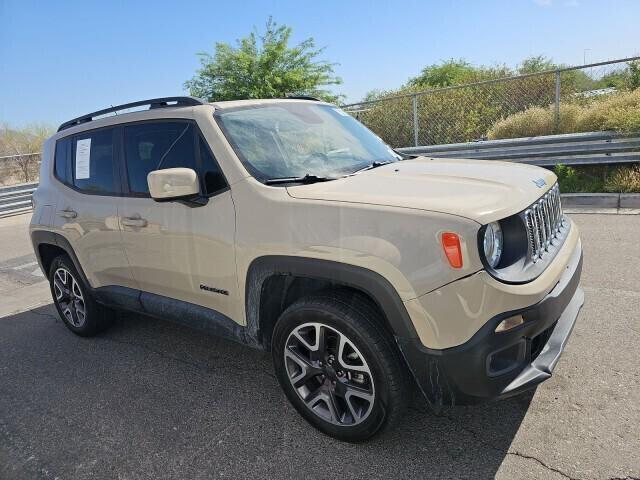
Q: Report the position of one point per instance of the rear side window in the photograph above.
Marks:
(61, 160)
(92, 162)
(153, 146)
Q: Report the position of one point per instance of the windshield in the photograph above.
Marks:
(294, 139)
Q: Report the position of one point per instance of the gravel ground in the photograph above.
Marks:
(150, 399)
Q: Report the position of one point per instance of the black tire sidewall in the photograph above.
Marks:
(351, 327)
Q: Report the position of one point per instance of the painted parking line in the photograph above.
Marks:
(26, 265)
(21, 271)
(35, 272)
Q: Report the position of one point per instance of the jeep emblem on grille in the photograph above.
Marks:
(539, 182)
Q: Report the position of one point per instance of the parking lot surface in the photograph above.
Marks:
(150, 399)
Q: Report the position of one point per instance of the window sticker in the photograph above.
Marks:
(83, 158)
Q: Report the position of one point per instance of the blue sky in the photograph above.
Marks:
(62, 59)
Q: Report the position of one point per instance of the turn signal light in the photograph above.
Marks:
(451, 246)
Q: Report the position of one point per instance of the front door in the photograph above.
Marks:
(175, 250)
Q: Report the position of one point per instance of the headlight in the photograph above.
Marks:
(493, 244)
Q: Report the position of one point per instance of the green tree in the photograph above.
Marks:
(264, 66)
(455, 72)
(444, 74)
(634, 75)
(625, 78)
(572, 80)
(535, 64)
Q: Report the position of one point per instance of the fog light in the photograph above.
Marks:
(509, 323)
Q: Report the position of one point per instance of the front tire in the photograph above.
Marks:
(72, 298)
(339, 367)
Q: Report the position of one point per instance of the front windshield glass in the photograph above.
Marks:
(294, 139)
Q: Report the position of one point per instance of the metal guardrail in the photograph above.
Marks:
(16, 199)
(598, 148)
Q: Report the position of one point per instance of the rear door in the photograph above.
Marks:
(86, 212)
(176, 250)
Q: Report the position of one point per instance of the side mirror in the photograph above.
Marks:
(173, 184)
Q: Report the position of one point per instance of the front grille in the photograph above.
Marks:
(544, 220)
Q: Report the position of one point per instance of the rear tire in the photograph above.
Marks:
(339, 367)
(72, 298)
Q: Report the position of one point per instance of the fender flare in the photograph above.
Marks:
(40, 237)
(369, 282)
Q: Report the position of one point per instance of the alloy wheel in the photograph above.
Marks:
(69, 297)
(329, 374)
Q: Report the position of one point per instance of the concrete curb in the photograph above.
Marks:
(630, 200)
(601, 200)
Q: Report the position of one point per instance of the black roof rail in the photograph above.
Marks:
(303, 97)
(153, 103)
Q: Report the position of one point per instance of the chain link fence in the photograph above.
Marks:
(465, 113)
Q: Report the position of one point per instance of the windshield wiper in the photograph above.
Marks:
(373, 165)
(307, 179)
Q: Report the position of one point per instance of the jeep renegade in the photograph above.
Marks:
(287, 226)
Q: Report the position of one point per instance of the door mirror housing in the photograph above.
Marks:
(173, 184)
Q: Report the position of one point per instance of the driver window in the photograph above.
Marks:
(157, 145)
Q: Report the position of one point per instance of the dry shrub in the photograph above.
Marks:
(536, 121)
(617, 112)
(624, 180)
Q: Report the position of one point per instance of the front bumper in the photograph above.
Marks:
(497, 365)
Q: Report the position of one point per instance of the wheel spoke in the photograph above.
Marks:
(353, 391)
(358, 412)
(311, 347)
(307, 369)
(320, 398)
(363, 396)
(69, 315)
(344, 342)
(348, 389)
(334, 410)
(322, 341)
(313, 398)
(61, 274)
(75, 288)
(78, 305)
(59, 289)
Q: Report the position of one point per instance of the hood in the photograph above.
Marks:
(483, 191)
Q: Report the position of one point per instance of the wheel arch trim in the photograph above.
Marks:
(371, 283)
(44, 237)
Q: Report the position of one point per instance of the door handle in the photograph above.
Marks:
(134, 222)
(68, 213)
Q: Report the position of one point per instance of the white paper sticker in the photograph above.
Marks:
(83, 158)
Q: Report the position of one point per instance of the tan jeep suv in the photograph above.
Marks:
(288, 226)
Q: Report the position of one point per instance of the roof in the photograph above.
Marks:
(175, 102)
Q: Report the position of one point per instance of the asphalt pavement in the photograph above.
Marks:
(149, 399)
